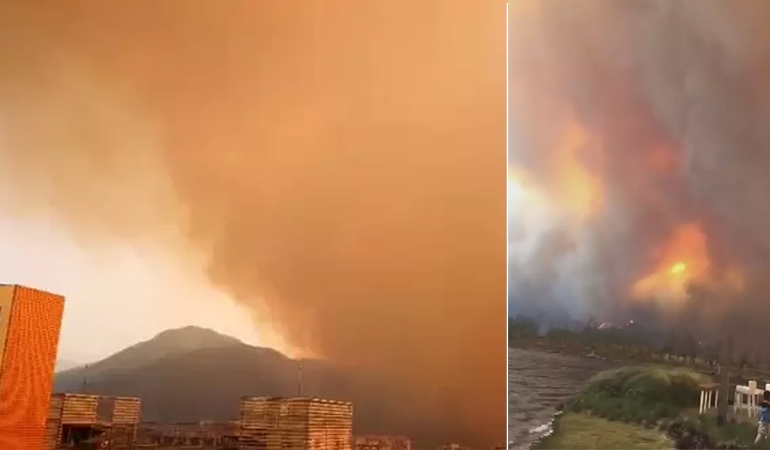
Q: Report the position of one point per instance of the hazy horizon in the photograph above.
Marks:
(327, 166)
(109, 292)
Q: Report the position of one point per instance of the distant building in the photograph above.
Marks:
(30, 321)
(203, 434)
(78, 419)
(454, 447)
(382, 443)
(274, 423)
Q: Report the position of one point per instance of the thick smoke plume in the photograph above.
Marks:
(340, 164)
(640, 158)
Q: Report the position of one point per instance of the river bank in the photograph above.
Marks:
(644, 407)
(581, 431)
(538, 383)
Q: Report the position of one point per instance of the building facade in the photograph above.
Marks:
(77, 419)
(274, 423)
(30, 322)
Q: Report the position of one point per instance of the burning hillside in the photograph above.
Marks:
(638, 154)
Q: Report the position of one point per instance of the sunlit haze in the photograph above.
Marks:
(117, 296)
(335, 169)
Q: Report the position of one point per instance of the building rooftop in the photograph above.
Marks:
(295, 399)
(8, 285)
(85, 394)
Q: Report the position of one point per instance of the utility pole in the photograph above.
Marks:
(85, 378)
(299, 379)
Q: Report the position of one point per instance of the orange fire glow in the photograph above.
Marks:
(573, 188)
(682, 260)
(580, 191)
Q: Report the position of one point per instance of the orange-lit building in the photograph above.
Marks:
(30, 321)
(300, 423)
(75, 420)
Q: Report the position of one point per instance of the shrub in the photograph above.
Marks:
(638, 394)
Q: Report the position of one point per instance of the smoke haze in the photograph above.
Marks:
(339, 164)
(639, 153)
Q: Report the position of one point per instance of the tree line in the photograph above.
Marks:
(676, 343)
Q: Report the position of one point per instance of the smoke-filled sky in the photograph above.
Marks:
(639, 159)
(335, 168)
(117, 295)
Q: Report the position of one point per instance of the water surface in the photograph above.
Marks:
(538, 383)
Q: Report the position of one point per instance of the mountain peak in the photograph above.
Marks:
(166, 343)
(192, 335)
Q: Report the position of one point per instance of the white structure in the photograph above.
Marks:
(709, 397)
(747, 397)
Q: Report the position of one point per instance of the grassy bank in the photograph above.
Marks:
(641, 395)
(644, 407)
(581, 431)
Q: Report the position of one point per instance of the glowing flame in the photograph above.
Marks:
(580, 191)
(679, 267)
(569, 189)
(682, 260)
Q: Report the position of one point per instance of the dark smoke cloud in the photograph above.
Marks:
(339, 163)
(686, 79)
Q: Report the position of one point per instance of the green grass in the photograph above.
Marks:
(741, 434)
(581, 431)
(640, 407)
(645, 407)
(640, 395)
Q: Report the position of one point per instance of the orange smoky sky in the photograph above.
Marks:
(339, 164)
(640, 125)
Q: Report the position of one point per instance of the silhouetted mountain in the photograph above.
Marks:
(167, 343)
(193, 374)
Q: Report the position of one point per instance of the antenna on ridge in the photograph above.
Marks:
(85, 379)
(299, 379)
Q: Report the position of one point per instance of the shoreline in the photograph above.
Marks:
(550, 429)
(593, 432)
(602, 414)
(681, 425)
(532, 415)
(644, 407)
